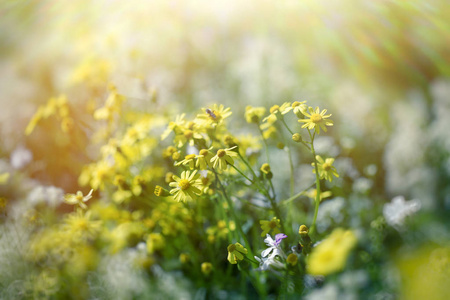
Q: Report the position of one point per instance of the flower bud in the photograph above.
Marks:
(296, 137)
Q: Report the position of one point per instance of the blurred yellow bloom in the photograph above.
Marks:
(176, 126)
(235, 253)
(80, 226)
(312, 193)
(424, 272)
(155, 242)
(270, 226)
(185, 258)
(4, 177)
(187, 187)
(317, 119)
(292, 259)
(113, 105)
(254, 114)
(331, 254)
(206, 267)
(326, 168)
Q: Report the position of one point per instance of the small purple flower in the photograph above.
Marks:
(273, 246)
(279, 237)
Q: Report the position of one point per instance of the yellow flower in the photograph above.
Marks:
(206, 267)
(184, 258)
(265, 168)
(275, 109)
(188, 135)
(78, 198)
(204, 159)
(176, 126)
(325, 167)
(4, 177)
(331, 254)
(312, 193)
(187, 187)
(188, 160)
(298, 108)
(155, 242)
(206, 181)
(254, 114)
(317, 119)
(214, 116)
(113, 105)
(236, 252)
(270, 226)
(224, 156)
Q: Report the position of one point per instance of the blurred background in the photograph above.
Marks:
(380, 67)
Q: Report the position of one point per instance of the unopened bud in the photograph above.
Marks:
(296, 137)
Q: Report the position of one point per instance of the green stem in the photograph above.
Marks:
(285, 125)
(248, 165)
(265, 192)
(233, 214)
(266, 147)
(317, 202)
(296, 195)
(240, 172)
(276, 209)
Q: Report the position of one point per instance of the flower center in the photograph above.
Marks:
(326, 166)
(79, 197)
(184, 184)
(204, 152)
(82, 225)
(295, 104)
(188, 134)
(272, 224)
(231, 248)
(221, 153)
(316, 118)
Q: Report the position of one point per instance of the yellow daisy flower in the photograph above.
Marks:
(214, 116)
(188, 160)
(236, 252)
(268, 226)
(298, 108)
(222, 157)
(275, 109)
(325, 167)
(188, 187)
(317, 119)
(204, 159)
(78, 198)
